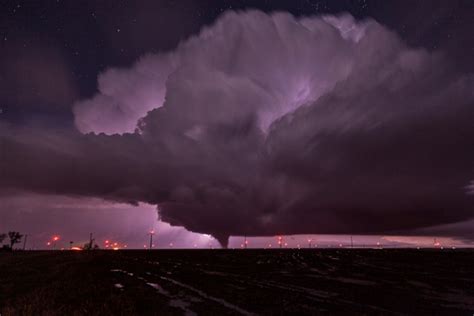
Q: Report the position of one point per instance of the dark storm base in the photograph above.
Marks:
(228, 282)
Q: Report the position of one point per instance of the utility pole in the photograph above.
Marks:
(151, 239)
(90, 241)
(24, 242)
(55, 239)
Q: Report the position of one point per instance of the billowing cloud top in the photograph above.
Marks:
(271, 124)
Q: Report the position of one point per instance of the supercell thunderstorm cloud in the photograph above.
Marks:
(267, 124)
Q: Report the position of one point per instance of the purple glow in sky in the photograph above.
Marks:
(72, 219)
(262, 124)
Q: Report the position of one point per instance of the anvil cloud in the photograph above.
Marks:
(270, 124)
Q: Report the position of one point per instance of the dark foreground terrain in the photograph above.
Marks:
(228, 282)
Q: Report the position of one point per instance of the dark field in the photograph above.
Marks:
(228, 282)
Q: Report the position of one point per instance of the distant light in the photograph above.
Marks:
(76, 248)
(106, 241)
(116, 248)
(48, 243)
(55, 238)
(152, 232)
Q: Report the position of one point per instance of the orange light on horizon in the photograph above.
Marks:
(55, 238)
(76, 248)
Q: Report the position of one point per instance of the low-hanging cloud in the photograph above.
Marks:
(270, 124)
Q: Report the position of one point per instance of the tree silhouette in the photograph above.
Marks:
(15, 238)
(2, 237)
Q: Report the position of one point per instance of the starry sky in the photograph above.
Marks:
(58, 57)
(92, 36)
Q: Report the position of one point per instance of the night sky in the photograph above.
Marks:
(235, 118)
